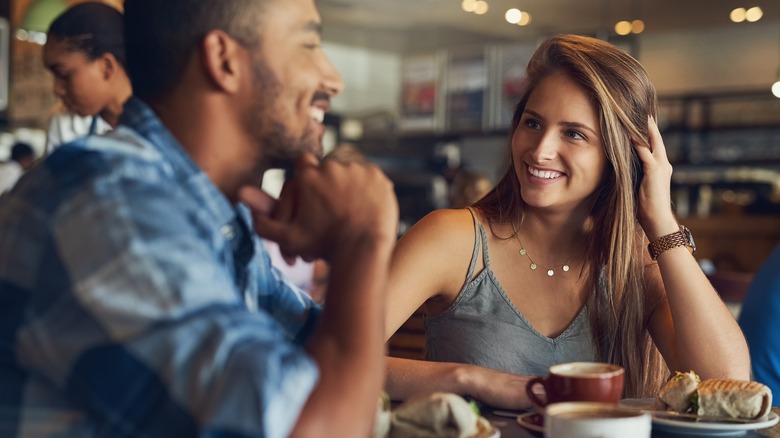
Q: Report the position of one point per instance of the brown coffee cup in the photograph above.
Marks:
(578, 381)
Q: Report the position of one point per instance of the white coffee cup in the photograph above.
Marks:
(594, 420)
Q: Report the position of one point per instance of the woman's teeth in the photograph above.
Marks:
(544, 174)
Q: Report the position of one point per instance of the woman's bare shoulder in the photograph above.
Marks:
(455, 225)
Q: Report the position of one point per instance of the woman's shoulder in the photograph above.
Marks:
(445, 223)
(445, 231)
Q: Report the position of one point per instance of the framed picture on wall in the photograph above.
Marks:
(5, 61)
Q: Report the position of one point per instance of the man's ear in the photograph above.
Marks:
(222, 56)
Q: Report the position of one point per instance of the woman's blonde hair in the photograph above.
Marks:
(619, 306)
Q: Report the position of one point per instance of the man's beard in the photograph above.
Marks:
(278, 147)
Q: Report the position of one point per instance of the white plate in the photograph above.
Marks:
(688, 427)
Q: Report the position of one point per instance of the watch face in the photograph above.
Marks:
(689, 237)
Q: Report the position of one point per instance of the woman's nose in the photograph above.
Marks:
(59, 88)
(546, 147)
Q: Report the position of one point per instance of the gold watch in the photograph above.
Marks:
(678, 238)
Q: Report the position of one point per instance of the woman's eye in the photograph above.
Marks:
(575, 135)
(533, 124)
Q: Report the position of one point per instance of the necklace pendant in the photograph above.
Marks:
(565, 268)
(550, 272)
(533, 266)
(522, 251)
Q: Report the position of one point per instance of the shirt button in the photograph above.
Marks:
(227, 231)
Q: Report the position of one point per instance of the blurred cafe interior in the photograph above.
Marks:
(431, 84)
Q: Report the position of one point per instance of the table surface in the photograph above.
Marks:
(511, 429)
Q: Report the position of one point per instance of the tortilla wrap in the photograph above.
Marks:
(734, 398)
(678, 391)
(437, 415)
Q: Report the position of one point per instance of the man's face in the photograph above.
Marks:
(293, 82)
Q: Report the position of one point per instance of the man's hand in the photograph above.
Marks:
(326, 206)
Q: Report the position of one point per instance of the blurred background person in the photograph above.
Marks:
(22, 157)
(760, 322)
(85, 52)
(467, 187)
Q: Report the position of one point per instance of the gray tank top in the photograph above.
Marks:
(482, 327)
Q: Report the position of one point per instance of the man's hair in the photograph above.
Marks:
(21, 150)
(93, 29)
(162, 35)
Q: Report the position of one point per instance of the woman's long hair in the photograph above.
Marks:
(618, 305)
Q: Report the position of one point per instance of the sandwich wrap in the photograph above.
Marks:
(677, 393)
(437, 415)
(734, 398)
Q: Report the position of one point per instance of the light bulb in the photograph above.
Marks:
(776, 89)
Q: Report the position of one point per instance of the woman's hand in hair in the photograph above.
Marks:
(655, 210)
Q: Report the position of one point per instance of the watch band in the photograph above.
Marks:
(683, 237)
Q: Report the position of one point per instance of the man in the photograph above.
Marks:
(22, 158)
(135, 299)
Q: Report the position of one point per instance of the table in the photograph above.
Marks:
(510, 429)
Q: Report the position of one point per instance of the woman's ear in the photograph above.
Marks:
(109, 65)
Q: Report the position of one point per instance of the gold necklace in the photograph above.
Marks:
(534, 266)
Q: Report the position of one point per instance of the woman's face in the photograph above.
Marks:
(80, 83)
(557, 147)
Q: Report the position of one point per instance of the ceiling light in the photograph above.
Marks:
(525, 19)
(513, 15)
(776, 85)
(469, 5)
(623, 28)
(754, 14)
(637, 26)
(482, 7)
(738, 15)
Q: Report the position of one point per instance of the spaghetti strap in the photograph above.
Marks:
(478, 237)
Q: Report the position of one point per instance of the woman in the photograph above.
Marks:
(555, 258)
(85, 53)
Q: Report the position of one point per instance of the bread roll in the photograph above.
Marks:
(734, 398)
(679, 390)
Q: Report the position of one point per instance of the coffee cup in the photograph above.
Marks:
(595, 420)
(578, 381)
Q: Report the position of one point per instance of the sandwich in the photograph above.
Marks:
(437, 415)
(734, 398)
(686, 393)
(677, 394)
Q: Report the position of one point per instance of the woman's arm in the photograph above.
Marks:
(429, 265)
(406, 378)
(692, 328)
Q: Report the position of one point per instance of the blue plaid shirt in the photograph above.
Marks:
(136, 301)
